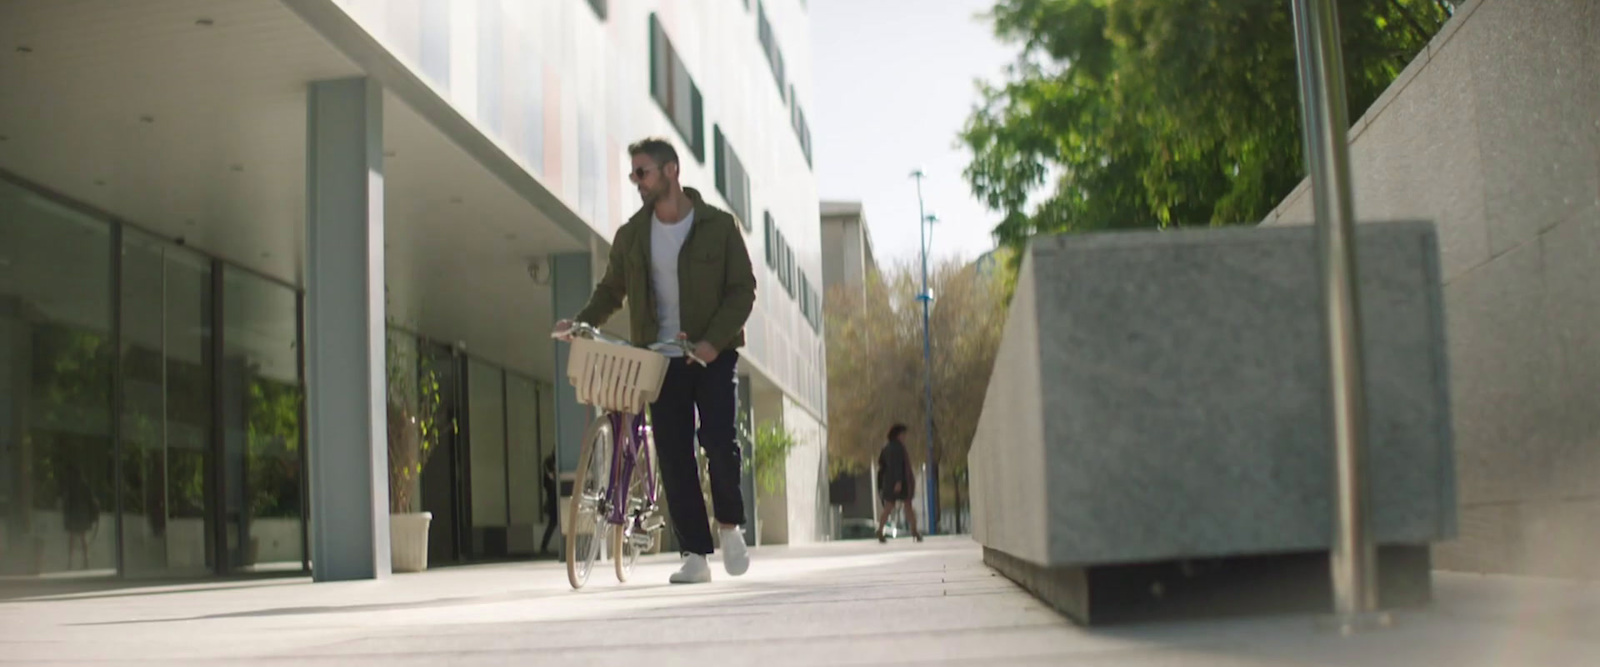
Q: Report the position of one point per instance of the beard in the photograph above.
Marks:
(652, 196)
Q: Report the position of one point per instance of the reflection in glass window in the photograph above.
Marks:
(57, 481)
(261, 421)
(166, 407)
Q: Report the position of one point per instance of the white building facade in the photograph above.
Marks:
(319, 172)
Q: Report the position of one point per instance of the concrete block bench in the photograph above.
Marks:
(1156, 432)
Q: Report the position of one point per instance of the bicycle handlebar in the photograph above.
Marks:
(591, 332)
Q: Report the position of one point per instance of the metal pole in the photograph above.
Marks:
(1326, 123)
(931, 474)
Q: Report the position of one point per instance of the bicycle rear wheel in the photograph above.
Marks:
(587, 531)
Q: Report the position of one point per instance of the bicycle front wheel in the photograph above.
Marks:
(587, 531)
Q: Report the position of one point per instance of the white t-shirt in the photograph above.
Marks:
(666, 243)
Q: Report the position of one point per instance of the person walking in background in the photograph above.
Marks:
(895, 481)
(81, 511)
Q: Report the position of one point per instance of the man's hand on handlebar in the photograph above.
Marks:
(705, 352)
(563, 331)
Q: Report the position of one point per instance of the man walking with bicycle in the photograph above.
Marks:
(682, 268)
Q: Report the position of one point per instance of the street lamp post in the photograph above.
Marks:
(932, 474)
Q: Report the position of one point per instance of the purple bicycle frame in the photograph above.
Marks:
(628, 449)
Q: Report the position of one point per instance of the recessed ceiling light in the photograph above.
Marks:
(204, 22)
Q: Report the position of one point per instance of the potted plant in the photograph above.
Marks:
(413, 419)
(771, 444)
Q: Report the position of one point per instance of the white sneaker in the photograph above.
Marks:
(694, 571)
(735, 558)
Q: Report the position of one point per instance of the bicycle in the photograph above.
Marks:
(619, 508)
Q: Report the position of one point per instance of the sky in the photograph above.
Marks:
(895, 84)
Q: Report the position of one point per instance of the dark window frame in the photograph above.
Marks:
(665, 92)
(771, 229)
(732, 179)
(769, 46)
(802, 129)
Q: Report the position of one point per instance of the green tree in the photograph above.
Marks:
(876, 367)
(1162, 113)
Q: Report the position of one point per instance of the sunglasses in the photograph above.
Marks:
(639, 173)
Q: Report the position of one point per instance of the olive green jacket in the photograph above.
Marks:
(716, 285)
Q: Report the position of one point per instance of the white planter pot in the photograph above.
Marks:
(408, 541)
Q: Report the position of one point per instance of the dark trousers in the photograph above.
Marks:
(711, 391)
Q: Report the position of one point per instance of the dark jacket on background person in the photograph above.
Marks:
(894, 466)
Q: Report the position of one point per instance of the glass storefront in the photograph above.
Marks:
(152, 413)
(150, 422)
(506, 483)
(58, 485)
(261, 401)
(166, 408)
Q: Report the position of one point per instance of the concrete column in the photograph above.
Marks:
(345, 363)
(571, 282)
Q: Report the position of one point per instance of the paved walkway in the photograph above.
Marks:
(857, 603)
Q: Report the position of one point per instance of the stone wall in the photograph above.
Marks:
(1493, 133)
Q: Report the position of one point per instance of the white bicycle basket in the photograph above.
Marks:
(613, 377)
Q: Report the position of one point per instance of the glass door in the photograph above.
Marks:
(260, 405)
(166, 418)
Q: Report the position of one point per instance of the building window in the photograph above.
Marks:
(783, 264)
(674, 90)
(788, 269)
(771, 236)
(779, 256)
(160, 391)
(599, 7)
(732, 181)
(810, 303)
(797, 119)
(769, 45)
(810, 306)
